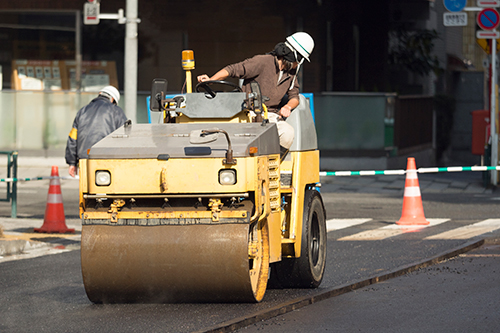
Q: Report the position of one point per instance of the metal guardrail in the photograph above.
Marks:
(11, 188)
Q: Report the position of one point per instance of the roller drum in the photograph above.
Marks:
(173, 263)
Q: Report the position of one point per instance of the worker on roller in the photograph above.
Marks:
(276, 73)
(92, 123)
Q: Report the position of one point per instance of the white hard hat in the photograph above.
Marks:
(111, 91)
(302, 42)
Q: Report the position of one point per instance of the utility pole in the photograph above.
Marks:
(78, 50)
(93, 16)
(131, 54)
(493, 111)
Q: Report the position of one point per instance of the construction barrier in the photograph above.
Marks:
(54, 220)
(413, 210)
(327, 173)
(402, 172)
(11, 180)
(413, 213)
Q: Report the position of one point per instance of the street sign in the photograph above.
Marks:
(455, 19)
(485, 44)
(488, 3)
(91, 13)
(490, 34)
(488, 19)
(455, 5)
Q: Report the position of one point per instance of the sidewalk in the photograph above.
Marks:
(18, 235)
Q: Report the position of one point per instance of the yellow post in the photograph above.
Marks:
(188, 66)
(188, 82)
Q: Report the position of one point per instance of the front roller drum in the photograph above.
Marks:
(175, 263)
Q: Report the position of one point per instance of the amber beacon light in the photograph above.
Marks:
(188, 66)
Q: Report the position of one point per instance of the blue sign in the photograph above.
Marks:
(488, 19)
(455, 5)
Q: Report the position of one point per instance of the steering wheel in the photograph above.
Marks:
(205, 86)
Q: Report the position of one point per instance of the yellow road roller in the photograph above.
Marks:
(201, 207)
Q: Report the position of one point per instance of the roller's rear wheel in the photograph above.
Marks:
(307, 270)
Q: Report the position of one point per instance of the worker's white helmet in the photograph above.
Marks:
(112, 92)
(302, 42)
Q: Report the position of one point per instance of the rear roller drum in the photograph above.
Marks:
(307, 270)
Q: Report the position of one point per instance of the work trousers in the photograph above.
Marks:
(285, 130)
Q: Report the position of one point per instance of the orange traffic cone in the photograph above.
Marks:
(54, 221)
(413, 211)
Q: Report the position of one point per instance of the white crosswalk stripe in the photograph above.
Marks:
(337, 224)
(391, 230)
(469, 231)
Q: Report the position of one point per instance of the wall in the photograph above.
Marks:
(350, 121)
(355, 130)
(31, 120)
(38, 120)
(468, 95)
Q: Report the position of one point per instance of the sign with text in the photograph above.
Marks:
(36, 75)
(91, 13)
(94, 75)
(455, 19)
(488, 3)
(491, 34)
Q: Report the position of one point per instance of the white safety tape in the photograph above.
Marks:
(11, 180)
(403, 172)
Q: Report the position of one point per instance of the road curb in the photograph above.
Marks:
(234, 324)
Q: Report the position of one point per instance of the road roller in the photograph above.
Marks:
(201, 207)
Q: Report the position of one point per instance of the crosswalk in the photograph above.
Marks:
(337, 224)
(393, 229)
(469, 231)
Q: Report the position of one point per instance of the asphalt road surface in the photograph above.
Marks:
(46, 293)
(458, 295)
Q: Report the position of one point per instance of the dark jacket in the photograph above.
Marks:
(265, 70)
(92, 123)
